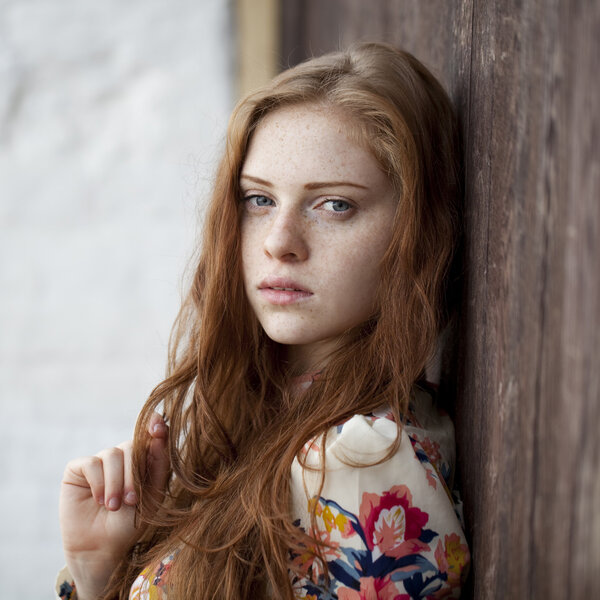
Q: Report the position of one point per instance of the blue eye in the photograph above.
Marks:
(337, 205)
(258, 200)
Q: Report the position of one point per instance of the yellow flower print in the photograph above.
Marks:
(453, 558)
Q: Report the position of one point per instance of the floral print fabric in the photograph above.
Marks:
(391, 530)
(384, 550)
(65, 588)
(150, 584)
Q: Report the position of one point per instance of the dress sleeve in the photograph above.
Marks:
(389, 530)
(65, 586)
(149, 585)
(152, 583)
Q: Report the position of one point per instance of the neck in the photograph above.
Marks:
(309, 358)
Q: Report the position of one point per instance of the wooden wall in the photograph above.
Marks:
(525, 79)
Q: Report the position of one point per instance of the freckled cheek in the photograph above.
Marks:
(355, 281)
(250, 249)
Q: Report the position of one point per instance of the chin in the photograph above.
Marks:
(289, 339)
(298, 336)
(291, 336)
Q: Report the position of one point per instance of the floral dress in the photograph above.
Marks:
(392, 530)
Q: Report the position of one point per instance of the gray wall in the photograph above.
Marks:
(111, 117)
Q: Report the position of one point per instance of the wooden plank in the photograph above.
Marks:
(520, 209)
(567, 478)
(293, 33)
(312, 27)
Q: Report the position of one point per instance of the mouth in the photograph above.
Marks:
(283, 292)
(284, 289)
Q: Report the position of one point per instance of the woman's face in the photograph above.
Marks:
(317, 219)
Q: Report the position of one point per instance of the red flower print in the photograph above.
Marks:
(372, 588)
(392, 525)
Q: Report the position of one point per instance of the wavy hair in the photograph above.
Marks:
(235, 425)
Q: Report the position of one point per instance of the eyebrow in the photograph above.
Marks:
(309, 186)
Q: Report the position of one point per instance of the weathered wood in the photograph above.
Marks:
(523, 386)
(312, 27)
(566, 526)
(502, 294)
(523, 76)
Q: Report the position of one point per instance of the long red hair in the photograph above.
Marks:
(235, 428)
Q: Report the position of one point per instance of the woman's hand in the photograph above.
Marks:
(96, 508)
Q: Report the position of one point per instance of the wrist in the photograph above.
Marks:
(89, 575)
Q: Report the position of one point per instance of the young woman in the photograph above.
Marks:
(304, 457)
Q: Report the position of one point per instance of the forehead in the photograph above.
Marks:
(310, 140)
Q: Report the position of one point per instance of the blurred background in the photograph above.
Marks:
(112, 119)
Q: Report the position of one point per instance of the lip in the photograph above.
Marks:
(280, 291)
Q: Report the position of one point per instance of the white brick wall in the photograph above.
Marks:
(112, 114)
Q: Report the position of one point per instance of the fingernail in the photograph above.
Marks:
(130, 498)
(113, 504)
(159, 428)
(101, 500)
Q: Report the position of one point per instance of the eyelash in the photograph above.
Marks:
(334, 200)
(252, 198)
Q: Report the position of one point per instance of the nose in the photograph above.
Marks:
(286, 239)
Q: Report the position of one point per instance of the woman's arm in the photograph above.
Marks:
(96, 508)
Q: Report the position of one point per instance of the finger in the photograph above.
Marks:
(158, 464)
(155, 462)
(86, 472)
(157, 458)
(112, 463)
(129, 495)
(157, 427)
